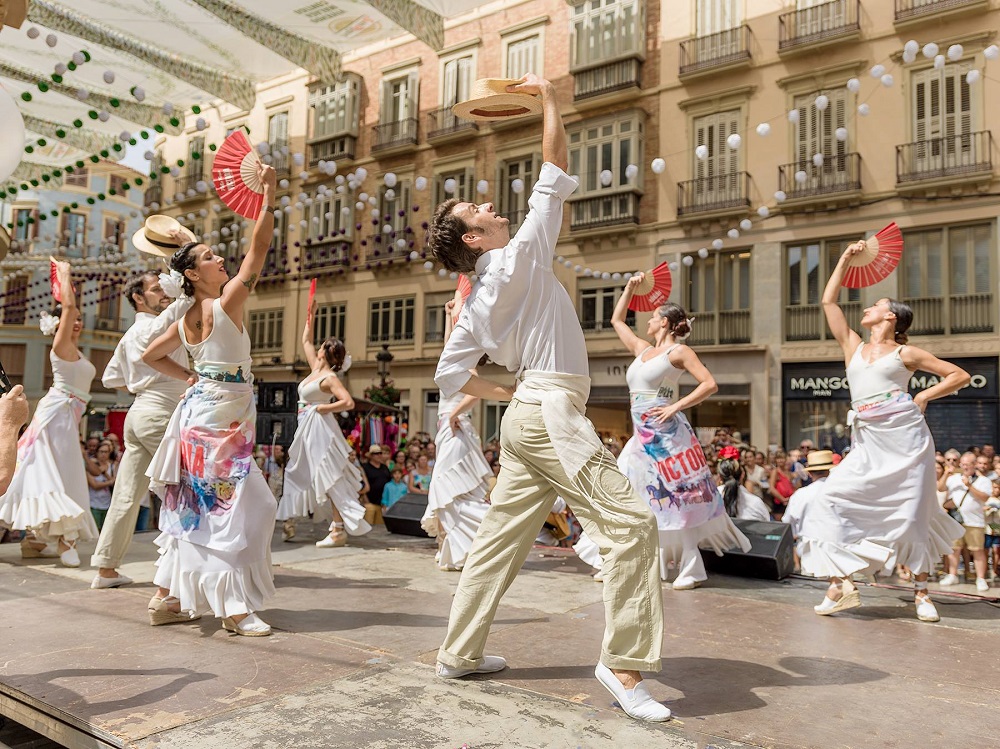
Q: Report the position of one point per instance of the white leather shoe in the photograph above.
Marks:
(250, 626)
(981, 585)
(926, 612)
(638, 703)
(70, 557)
(686, 583)
(491, 664)
(949, 580)
(101, 583)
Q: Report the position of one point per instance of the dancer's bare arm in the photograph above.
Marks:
(466, 405)
(236, 292)
(633, 343)
(307, 344)
(553, 132)
(63, 345)
(847, 338)
(953, 378)
(157, 355)
(343, 402)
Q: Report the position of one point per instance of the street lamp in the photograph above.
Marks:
(384, 359)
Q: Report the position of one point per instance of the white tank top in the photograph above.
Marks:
(73, 377)
(885, 375)
(649, 377)
(226, 345)
(310, 392)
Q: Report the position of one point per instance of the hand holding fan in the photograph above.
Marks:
(236, 175)
(653, 291)
(877, 259)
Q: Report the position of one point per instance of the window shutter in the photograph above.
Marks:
(465, 75)
(702, 136)
(412, 96)
(469, 193)
(385, 102)
(449, 84)
(714, 16)
(732, 160)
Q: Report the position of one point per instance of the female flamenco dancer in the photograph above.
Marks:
(218, 512)
(456, 500)
(664, 460)
(49, 496)
(319, 477)
(881, 502)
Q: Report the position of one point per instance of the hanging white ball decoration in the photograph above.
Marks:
(734, 141)
(414, 255)
(359, 206)
(992, 52)
(517, 186)
(200, 123)
(864, 110)
(658, 165)
(606, 176)
(52, 40)
(33, 33)
(763, 129)
(909, 57)
(793, 116)
(801, 176)
(701, 152)
(201, 186)
(428, 265)
(746, 224)
(104, 116)
(840, 134)
(877, 71)
(340, 179)
(940, 62)
(616, 276)
(817, 159)
(420, 183)
(703, 252)
(733, 233)
(853, 85)
(82, 94)
(482, 187)
(717, 244)
(763, 211)
(887, 80)
(821, 102)
(780, 196)
(391, 194)
(449, 187)
(390, 179)
(672, 265)
(930, 50)
(139, 93)
(972, 76)
(109, 76)
(298, 159)
(631, 172)
(912, 46)
(345, 211)
(687, 260)
(955, 52)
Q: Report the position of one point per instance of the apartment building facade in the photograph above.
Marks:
(642, 80)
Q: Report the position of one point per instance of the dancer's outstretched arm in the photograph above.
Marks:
(236, 292)
(633, 343)
(307, 343)
(847, 338)
(63, 345)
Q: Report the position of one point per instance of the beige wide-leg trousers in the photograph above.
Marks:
(613, 516)
(145, 425)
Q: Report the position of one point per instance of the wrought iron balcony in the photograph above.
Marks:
(442, 123)
(276, 266)
(907, 10)
(940, 158)
(277, 156)
(806, 322)
(154, 193)
(607, 78)
(326, 255)
(332, 148)
(614, 209)
(723, 49)
(961, 313)
(818, 24)
(184, 184)
(723, 192)
(395, 134)
(837, 174)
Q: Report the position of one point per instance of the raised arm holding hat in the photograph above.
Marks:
(521, 316)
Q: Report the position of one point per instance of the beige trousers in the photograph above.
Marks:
(613, 516)
(145, 425)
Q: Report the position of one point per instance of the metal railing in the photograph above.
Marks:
(187, 182)
(154, 193)
(326, 256)
(723, 327)
(907, 9)
(952, 156)
(604, 79)
(727, 47)
(819, 23)
(958, 313)
(442, 122)
(838, 173)
(721, 192)
(276, 266)
(331, 149)
(806, 322)
(391, 134)
(604, 210)
(277, 156)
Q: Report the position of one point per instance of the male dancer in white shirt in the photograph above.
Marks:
(156, 396)
(523, 318)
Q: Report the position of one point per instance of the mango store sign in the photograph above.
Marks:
(822, 380)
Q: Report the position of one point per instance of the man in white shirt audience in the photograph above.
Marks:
(156, 396)
(968, 491)
(521, 316)
(818, 465)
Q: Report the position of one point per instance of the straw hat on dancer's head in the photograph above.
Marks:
(154, 238)
(490, 101)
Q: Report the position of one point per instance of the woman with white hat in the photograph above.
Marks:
(881, 502)
(218, 512)
(48, 495)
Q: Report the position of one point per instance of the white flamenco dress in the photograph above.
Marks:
(459, 484)
(48, 493)
(218, 512)
(879, 506)
(319, 471)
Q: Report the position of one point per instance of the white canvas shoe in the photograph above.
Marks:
(638, 703)
(491, 664)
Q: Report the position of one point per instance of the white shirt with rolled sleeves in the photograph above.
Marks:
(518, 313)
(127, 369)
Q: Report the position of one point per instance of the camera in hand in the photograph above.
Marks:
(5, 385)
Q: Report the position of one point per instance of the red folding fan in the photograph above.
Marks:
(312, 292)
(54, 280)
(879, 258)
(462, 291)
(235, 175)
(654, 290)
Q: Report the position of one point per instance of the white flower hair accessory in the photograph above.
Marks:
(48, 323)
(172, 284)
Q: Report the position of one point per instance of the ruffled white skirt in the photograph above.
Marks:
(48, 493)
(456, 498)
(319, 472)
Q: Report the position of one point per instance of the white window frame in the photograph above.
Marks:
(587, 140)
(521, 34)
(329, 228)
(431, 403)
(463, 79)
(584, 12)
(465, 184)
(329, 321)
(411, 105)
(605, 297)
(343, 98)
(391, 306)
(509, 201)
(434, 317)
(716, 16)
(265, 329)
(403, 194)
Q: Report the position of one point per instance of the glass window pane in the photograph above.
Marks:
(794, 275)
(812, 277)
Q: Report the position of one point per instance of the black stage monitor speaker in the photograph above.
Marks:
(770, 556)
(404, 516)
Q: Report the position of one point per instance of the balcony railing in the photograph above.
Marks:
(110, 324)
(820, 23)
(185, 183)
(838, 173)
(718, 50)
(963, 313)
(724, 327)
(806, 322)
(442, 122)
(154, 193)
(909, 9)
(938, 158)
(277, 156)
(604, 210)
(607, 78)
(276, 266)
(596, 326)
(331, 149)
(326, 255)
(394, 134)
(720, 193)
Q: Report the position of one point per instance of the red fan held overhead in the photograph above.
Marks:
(54, 280)
(235, 175)
(879, 258)
(312, 292)
(654, 291)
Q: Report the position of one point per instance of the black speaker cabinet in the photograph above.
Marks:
(277, 428)
(404, 516)
(277, 397)
(770, 556)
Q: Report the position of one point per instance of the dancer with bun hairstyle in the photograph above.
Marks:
(320, 479)
(664, 460)
(218, 512)
(880, 505)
